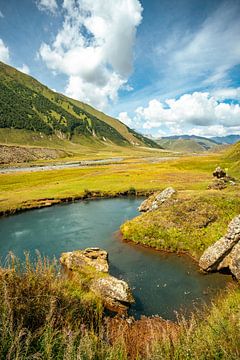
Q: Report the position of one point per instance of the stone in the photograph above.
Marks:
(94, 257)
(219, 173)
(225, 253)
(156, 200)
(218, 184)
(232, 261)
(115, 293)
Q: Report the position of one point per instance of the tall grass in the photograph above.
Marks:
(45, 316)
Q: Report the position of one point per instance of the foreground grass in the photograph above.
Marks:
(43, 316)
(21, 190)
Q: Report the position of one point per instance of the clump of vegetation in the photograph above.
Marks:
(190, 223)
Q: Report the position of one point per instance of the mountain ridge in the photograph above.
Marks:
(27, 104)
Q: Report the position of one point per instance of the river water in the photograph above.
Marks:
(162, 283)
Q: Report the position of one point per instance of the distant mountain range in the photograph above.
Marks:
(187, 143)
(229, 139)
(195, 144)
(28, 105)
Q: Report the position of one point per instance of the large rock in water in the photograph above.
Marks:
(225, 253)
(115, 294)
(156, 200)
(79, 259)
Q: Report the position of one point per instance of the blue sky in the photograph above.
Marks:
(163, 67)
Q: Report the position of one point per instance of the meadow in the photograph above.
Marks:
(134, 175)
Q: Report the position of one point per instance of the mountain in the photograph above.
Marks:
(187, 143)
(27, 104)
(229, 139)
(233, 153)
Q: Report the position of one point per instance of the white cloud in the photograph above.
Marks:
(25, 69)
(94, 48)
(47, 5)
(227, 93)
(200, 110)
(124, 118)
(4, 52)
(1, 14)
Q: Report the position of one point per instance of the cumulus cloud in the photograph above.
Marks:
(25, 69)
(94, 48)
(47, 5)
(4, 52)
(124, 118)
(199, 113)
(1, 14)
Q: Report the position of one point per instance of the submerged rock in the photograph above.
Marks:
(79, 259)
(155, 200)
(225, 253)
(115, 294)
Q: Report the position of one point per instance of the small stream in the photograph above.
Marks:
(162, 283)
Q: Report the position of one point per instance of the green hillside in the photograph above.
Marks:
(233, 152)
(187, 144)
(27, 104)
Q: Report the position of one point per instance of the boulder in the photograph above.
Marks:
(79, 259)
(156, 200)
(225, 253)
(219, 173)
(115, 293)
(218, 184)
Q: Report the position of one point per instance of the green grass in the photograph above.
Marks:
(21, 188)
(207, 336)
(190, 224)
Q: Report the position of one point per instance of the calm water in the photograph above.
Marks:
(162, 283)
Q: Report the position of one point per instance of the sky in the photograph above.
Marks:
(163, 67)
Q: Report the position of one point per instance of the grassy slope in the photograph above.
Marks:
(191, 224)
(48, 105)
(77, 150)
(198, 218)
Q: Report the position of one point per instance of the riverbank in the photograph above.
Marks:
(188, 224)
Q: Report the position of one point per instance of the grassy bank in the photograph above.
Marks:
(26, 190)
(190, 223)
(43, 316)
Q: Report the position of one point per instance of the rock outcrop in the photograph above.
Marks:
(156, 200)
(80, 259)
(219, 173)
(115, 294)
(221, 179)
(225, 253)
